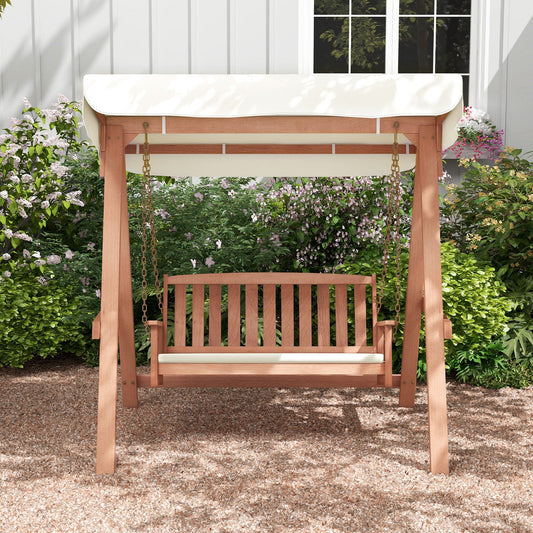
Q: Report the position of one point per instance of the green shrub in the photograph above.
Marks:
(38, 319)
(472, 298)
(491, 367)
(491, 215)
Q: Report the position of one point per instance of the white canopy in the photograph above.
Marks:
(230, 96)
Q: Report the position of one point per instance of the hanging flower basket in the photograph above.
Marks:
(478, 137)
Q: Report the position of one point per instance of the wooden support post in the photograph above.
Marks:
(126, 334)
(413, 303)
(430, 155)
(113, 166)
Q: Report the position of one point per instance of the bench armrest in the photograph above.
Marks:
(157, 346)
(384, 345)
(384, 323)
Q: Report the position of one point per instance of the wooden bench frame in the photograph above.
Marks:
(271, 374)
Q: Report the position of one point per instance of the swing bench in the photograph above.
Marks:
(257, 358)
(279, 125)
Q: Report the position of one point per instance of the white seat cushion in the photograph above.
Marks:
(273, 358)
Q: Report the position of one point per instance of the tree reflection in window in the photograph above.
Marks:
(353, 42)
(428, 36)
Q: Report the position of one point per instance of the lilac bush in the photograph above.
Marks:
(33, 184)
(328, 221)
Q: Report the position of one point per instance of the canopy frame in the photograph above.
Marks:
(424, 285)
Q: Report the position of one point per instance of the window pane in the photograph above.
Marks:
(368, 44)
(331, 44)
(453, 7)
(417, 7)
(369, 7)
(332, 7)
(416, 45)
(453, 44)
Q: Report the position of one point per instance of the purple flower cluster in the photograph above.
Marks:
(331, 218)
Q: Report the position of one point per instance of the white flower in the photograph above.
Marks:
(23, 236)
(9, 233)
(37, 255)
(6, 257)
(4, 195)
(45, 204)
(53, 259)
(7, 274)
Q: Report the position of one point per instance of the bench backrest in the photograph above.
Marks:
(268, 311)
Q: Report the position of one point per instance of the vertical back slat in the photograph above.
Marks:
(215, 336)
(323, 315)
(360, 314)
(252, 336)
(306, 328)
(287, 315)
(198, 315)
(269, 315)
(234, 315)
(341, 315)
(180, 292)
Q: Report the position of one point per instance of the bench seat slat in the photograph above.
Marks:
(271, 357)
(283, 369)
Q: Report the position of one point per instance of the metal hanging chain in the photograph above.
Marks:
(392, 230)
(147, 204)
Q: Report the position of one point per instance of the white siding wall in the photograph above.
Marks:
(47, 46)
(502, 66)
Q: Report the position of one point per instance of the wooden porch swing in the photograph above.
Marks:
(333, 125)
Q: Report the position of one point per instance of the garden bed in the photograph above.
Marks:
(260, 459)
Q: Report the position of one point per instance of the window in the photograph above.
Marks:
(393, 36)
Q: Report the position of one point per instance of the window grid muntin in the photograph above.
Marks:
(388, 38)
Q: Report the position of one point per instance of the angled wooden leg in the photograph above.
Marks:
(126, 333)
(109, 316)
(413, 303)
(430, 156)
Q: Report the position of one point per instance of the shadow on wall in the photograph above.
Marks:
(41, 77)
(511, 87)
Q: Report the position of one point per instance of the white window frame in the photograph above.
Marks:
(480, 26)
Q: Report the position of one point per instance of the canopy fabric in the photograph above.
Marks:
(374, 96)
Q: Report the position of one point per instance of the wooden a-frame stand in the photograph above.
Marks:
(424, 288)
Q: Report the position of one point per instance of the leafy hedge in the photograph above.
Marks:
(38, 319)
(473, 299)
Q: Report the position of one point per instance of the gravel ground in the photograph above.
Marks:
(267, 460)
